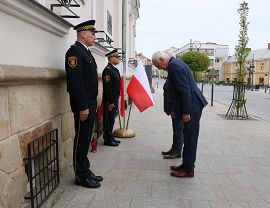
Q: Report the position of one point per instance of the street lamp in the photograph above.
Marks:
(250, 69)
(196, 44)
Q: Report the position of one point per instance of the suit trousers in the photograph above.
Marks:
(178, 137)
(83, 133)
(191, 133)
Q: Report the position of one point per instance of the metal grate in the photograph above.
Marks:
(67, 4)
(43, 168)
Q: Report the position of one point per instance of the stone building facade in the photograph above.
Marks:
(257, 68)
(33, 97)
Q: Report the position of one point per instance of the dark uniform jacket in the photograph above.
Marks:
(82, 77)
(188, 95)
(111, 85)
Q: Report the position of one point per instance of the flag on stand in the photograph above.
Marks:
(139, 90)
(121, 96)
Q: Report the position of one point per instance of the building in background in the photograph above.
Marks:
(34, 101)
(257, 66)
(217, 53)
(150, 69)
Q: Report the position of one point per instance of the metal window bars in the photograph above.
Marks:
(105, 40)
(67, 4)
(42, 168)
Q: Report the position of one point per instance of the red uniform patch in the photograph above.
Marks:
(107, 78)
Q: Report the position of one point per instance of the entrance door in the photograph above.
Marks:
(261, 81)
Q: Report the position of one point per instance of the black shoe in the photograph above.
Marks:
(87, 183)
(110, 143)
(94, 177)
(173, 155)
(167, 152)
(116, 141)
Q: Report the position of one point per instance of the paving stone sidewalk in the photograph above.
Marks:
(232, 168)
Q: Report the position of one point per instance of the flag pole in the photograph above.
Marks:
(119, 120)
(129, 114)
(124, 48)
(124, 132)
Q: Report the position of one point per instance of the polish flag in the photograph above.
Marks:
(139, 90)
(121, 96)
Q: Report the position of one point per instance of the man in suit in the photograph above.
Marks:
(191, 102)
(170, 108)
(111, 91)
(82, 86)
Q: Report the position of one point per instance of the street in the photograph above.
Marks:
(258, 102)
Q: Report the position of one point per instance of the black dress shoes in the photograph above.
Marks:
(173, 155)
(94, 177)
(117, 141)
(110, 143)
(87, 183)
(167, 153)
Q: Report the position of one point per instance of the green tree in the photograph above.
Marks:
(241, 52)
(197, 62)
(237, 108)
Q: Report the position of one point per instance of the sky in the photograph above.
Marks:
(172, 23)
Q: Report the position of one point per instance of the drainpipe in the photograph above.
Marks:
(124, 45)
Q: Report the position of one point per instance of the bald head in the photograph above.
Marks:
(161, 59)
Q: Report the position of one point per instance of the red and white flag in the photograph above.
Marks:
(121, 96)
(139, 90)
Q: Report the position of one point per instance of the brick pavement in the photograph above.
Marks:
(232, 168)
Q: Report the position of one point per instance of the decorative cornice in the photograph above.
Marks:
(22, 75)
(16, 75)
(36, 14)
(99, 49)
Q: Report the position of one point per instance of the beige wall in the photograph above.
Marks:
(30, 106)
(260, 74)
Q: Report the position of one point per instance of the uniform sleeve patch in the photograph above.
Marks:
(72, 61)
(107, 78)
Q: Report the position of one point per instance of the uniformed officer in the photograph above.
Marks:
(111, 90)
(82, 85)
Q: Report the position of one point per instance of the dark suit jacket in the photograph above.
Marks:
(169, 101)
(188, 96)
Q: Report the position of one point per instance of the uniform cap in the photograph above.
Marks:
(112, 53)
(88, 25)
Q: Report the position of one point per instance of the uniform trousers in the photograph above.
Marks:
(83, 133)
(108, 123)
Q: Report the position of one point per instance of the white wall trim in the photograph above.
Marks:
(36, 14)
(99, 49)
